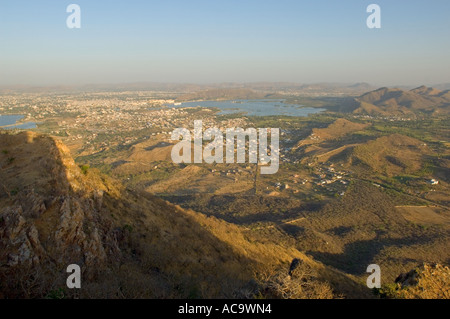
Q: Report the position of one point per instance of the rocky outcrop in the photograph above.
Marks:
(429, 281)
(79, 235)
(19, 240)
(50, 211)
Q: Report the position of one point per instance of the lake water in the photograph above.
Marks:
(255, 107)
(8, 122)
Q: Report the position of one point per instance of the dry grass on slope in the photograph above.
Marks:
(338, 128)
(391, 155)
(429, 281)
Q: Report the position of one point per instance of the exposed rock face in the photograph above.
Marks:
(19, 239)
(33, 204)
(77, 234)
(63, 223)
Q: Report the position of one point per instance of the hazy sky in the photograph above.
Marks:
(224, 41)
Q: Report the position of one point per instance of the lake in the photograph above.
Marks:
(8, 122)
(254, 107)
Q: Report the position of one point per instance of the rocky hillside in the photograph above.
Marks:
(390, 155)
(385, 101)
(128, 245)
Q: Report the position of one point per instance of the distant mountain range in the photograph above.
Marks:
(321, 88)
(265, 87)
(385, 101)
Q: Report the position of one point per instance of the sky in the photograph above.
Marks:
(213, 41)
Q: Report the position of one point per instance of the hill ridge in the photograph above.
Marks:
(392, 101)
